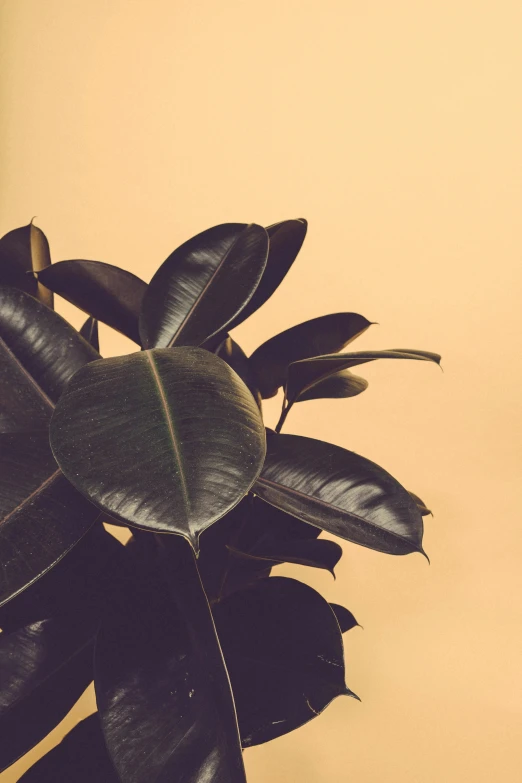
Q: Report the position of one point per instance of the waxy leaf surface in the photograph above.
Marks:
(286, 239)
(157, 693)
(326, 334)
(341, 492)
(81, 757)
(234, 356)
(284, 653)
(42, 516)
(23, 252)
(167, 440)
(203, 285)
(39, 354)
(89, 332)
(108, 293)
(304, 375)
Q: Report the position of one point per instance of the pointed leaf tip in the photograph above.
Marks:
(348, 692)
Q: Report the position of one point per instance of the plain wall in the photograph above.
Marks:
(395, 128)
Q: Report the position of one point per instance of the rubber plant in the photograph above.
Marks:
(196, 651)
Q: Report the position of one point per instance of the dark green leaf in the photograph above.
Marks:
(303, 375)
(234, 356)
(23, 252)
(327, 334)
(46, 665)
(284, 653)
(203, 285)
(80, 579)
(89, 332)
(286, 239)
(341, 492)
(168, 440)
(106, 292)
(162, 711)
(41, 515)
(251, 526)
(39, 354)
(310, 552)
(81, 757)
(421, 505)
(338, 385)
(345, 618)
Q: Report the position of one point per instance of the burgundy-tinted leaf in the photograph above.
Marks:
(341, 492)
(345, 618)
(41, 515)
(23, 251)
(106, 292)
(303, 375)
(182, 411)
(81, 757)
(89, 332)
(159, 691)
(203, 285)
(326, 334)
(284, 653)
(286, 239)
(39, 354)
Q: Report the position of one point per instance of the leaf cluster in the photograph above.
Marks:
(196, 649)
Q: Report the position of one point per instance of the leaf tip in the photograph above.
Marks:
(421, 550)
(351, 694)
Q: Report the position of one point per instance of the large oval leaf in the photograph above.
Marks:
(80, 757)
(108, 293)
(326, 334)
(286, 239)
(340, 492)
(46, 665)
(168, 440)
(41, 515)
(339, 385)
(284, 653)
(23, 252)
(39, 354)
(203, 285)
(304, 375)
(158, 690)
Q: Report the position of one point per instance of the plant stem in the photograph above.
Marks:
(284, 413)
(182, 576)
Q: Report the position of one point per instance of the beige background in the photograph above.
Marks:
(395, 128)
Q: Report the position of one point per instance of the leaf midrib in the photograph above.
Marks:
(172, 431)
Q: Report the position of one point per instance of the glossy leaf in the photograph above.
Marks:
(89, 332)
(203, 285)
(80, 757)
(421, 505)
(341, 492)
(326, 334)
(106, 292)
(251, 526)
(39, 354)
(345, 618)
(336, 386)
(303, 375)
(79, 580)
(167, 440)
(23, 252)
(286, 239)
(46, 665)
(41, 515)
(234, 356)
(156, 691)
(311, 552)
(284, 653)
